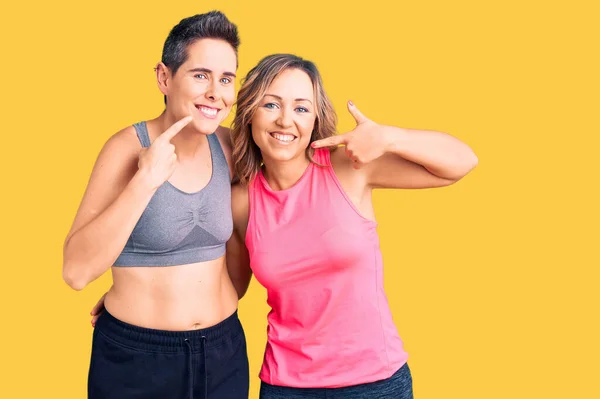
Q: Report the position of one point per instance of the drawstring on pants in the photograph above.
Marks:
(191, 373)
(205, 367)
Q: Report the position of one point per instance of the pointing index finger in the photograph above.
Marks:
(175, 128)
(329, 141)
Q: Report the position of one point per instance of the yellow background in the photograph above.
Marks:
(493, 282)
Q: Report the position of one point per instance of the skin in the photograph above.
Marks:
(125, 177)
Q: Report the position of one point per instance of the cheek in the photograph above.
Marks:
(307, 126)
(175, 91)
(185, 93)
(229, 96)
(256, 136)
(187, 87)
(261, 121)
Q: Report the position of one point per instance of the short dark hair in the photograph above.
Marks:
(210, 25)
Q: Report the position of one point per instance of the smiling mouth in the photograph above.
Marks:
(283, 137)
(208, 112)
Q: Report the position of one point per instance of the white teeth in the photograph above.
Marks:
(283, 137)
(208, 111)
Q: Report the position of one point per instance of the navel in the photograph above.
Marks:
(196, 326)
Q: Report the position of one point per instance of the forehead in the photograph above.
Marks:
(292, 83)
(216, 55)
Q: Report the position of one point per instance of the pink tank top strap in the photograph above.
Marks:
(322, 156)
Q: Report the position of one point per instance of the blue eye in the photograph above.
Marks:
(225, 80)
(302, 109)
(271, 106)
(203, 76)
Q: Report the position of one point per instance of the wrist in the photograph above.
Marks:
(394, 139)
(142, 182)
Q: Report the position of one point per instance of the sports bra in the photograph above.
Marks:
(177, 227)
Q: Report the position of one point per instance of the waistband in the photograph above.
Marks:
(168, 341)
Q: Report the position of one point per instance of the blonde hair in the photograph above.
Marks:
(246, 154)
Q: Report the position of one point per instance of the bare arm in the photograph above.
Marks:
(120, 188)
(419, 159)
(238, 261)
(392, 157)
(114, 200)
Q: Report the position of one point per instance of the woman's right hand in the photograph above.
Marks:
(158, 162)
(97, 309)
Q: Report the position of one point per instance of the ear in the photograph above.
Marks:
(163, 76)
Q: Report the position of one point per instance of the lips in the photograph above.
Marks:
(283, 137)
(208, 112)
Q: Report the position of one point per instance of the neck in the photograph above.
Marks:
(188, 141)
(282, 175)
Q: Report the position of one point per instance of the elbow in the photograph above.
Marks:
(73, 273)
(242, 292)
(241, 286)
(460, 170)
(240, 289)
(469, 163)
(73, 278)
(473, 161)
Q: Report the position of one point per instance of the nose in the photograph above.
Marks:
(285, 118)
(212, 91)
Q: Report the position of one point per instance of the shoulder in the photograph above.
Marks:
(339, 159)
(345, 171)
(122, 144)
(117, 161)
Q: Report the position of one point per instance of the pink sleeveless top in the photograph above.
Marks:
(330, 324)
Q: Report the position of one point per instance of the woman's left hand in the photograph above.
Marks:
(365, 143)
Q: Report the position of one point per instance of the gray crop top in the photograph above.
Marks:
(179, 228)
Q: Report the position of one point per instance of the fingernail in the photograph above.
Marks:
(350, 102)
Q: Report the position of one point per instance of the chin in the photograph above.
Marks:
(206, 126)
(284, 155)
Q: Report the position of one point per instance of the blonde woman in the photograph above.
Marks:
(304, 225)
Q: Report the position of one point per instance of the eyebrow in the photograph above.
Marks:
(210, 71)
(296, 99)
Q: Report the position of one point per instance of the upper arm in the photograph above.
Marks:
(238, 260)
(115, 166)
(388, 171)
(393, 171)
